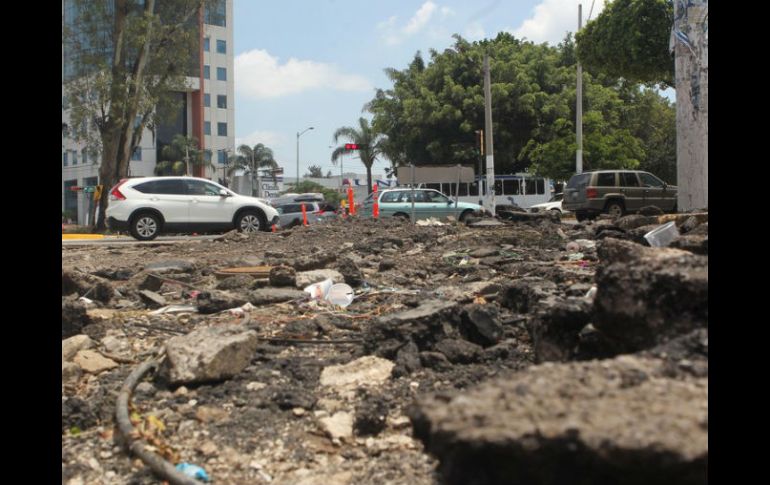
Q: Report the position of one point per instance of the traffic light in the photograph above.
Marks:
(352, 146)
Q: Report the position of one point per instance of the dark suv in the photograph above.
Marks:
(616, 192)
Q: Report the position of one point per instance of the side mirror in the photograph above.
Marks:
(224, 193)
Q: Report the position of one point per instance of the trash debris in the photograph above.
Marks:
(87, 301)
(239, 311)
(318, 291)
(432, 221)
(340, 295)
(663, 235)
(255, 271)
(193, 471)
(590, 294)
(175, 309)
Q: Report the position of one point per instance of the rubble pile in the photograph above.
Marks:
(529, 351)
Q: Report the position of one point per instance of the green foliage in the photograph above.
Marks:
(370, 141)
(433, 110)
(306, 186)
(314, 171)
(176, 156)
(630, 39)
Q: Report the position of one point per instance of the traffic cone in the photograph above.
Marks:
(273, 227)
(304, 215)
(376, 206)
(351, 202)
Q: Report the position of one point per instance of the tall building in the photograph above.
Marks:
(207, 111)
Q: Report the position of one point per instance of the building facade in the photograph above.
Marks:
(207, 113)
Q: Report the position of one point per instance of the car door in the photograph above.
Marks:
(169, 197)
(390, 203)
(440, 206)
(654, 193)
(631, 190)
(207, 206)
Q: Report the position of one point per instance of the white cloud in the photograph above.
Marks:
(258, 75)
(552, 19)
(393, 34)
(270, 139)
(420, 18)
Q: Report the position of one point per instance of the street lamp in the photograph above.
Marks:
(299, 135)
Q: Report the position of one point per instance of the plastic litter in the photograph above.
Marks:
(663, 235)
(193, 471)
(432, 221)
(340, 294)
(573, 247)
(175, 309)
(318, 291)
(590, 294)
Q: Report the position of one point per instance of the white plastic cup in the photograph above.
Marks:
(318, 291)
(340, 294)
(663, 235)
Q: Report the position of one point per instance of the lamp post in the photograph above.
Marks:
(299, 134)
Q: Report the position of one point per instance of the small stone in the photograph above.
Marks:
(298, 412)
(255, 386)
(93, 362)
(72, 345)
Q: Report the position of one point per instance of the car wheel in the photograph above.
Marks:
(555, 211)
(145, 226)
(401, 216)
(465, 215)
(581, 216)
(615, 209)
(250, 222)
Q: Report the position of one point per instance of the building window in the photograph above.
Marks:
(222, 157)
(206, 44)
(64, 158)
(221, 101)
(207, 153)
(206, 72)
(206, 100)
(216, 13)
(221, 74)
(137, 155)
(222, 47)
(206, 127)
(74, 157)
(84, 155)
(222, 129)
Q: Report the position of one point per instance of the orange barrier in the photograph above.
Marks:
(304, 215)
(273, 227)
(351, 201)
(376, 206)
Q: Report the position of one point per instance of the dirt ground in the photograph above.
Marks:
(270, 422)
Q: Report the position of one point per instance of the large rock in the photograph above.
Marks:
(171, 265)
(306, 278)
(338, 426)
(268, 296)
(555, 330)
(218, 301)
(523, 295)
(73, 345)
(695, 243)
(73, 318)
(635, 220)
(350, 272)
(93, 362)
(208, 354)
(481, 325)
(619, 421)
(282, 275)
(459, 351)
(432, 321)
(369, 370)
(646, 296)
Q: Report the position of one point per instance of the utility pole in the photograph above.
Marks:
(488, 129)
(481, 156)
(579, 108)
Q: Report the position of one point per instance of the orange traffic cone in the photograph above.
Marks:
(376, 206)
(304, 215)
(273, 227)
(351, 202)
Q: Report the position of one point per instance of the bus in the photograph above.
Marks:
(521, 189)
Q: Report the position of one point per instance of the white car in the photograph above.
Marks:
(148, 206)
(553, 204)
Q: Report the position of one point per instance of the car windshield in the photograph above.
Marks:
(578, 181)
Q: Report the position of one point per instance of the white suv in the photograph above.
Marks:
(147, 206)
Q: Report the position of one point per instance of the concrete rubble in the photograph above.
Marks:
(524, 349)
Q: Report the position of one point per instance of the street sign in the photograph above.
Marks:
(89, 189)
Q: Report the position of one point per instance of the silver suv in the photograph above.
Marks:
(616, 192)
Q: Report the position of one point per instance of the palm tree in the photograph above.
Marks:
(180, 156)
(368, 140)
(252, 159)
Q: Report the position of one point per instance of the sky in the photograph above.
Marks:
(315, 63)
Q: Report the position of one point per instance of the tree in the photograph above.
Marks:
(630, 39)
(314, 171)
(431, 114)
(368, 139)
(124, 59)
(251, 159)
(181, 156)
(307, 186)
